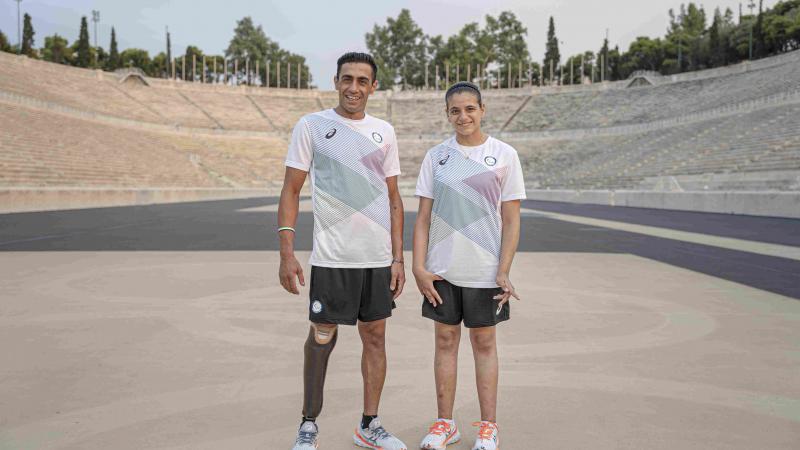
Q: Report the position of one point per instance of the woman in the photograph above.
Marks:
(465, 237)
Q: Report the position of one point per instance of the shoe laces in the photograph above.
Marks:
(486, 430)
(380, 433)
(439, 428)
(306, 437)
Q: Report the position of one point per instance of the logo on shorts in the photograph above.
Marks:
(316, 307)
(444, 161)
(377, 137)
(490, 160)
(330, 134)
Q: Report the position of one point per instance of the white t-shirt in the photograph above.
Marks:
(349, 161)
(468, 185)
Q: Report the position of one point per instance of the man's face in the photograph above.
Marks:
(355, 84)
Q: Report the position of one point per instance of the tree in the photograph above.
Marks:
(83, 57)
(250, 42)
(400, 50)
(552, 57)
(113, 54)
(507, 36)
(136, 57)
(643, 54)
(160, 66)
(56, 49)
(27, 37)
(4, 47)
(715, 45)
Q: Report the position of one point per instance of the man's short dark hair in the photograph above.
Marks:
(357, 57)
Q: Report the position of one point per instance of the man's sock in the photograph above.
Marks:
(366, 420)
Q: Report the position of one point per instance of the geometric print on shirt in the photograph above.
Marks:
(348, 172)
(466, 194)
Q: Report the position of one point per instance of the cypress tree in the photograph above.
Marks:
(551, 50)
(113, 55)
(27, 37)
(84, 55)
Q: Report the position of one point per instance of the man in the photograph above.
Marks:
(357, 256)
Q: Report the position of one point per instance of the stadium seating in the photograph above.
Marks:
(64, 126)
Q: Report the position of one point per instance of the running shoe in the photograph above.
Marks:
(487, 436)
(376, 437)
(442, 433)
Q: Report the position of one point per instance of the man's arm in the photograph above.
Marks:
(287, 217)
(396, 214)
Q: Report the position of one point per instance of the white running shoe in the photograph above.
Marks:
(487, 436)
(442, 433)
(307, 436)
(376, 437)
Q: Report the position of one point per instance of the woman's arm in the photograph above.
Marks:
(508, 247)
(422, 228)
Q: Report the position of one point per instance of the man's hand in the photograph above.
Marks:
(290, 268)
(425, 281)
(508, 289)
(398, 278)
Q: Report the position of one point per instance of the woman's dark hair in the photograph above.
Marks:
(463, 86)
(357, 57)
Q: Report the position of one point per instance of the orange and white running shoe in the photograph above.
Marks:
(376, 437)
(487, 436)
(442, 433)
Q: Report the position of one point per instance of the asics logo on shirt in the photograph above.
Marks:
(330, 134)
(444, 161)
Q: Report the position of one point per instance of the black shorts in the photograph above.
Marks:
(475, 306)
(343, 296)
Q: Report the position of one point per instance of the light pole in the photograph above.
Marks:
(751, 5)
(95, 19)
(19, 30)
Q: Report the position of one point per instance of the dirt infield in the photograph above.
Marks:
(202, 350)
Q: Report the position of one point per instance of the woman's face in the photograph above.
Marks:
(464, 113)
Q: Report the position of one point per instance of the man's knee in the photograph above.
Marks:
(373, 334)
(323, 332)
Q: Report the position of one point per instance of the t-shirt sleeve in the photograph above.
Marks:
(300, 151)
(513, 184)
(425, 179)
(391, 162)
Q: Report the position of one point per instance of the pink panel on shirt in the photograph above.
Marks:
(487, 184)
(374, 161)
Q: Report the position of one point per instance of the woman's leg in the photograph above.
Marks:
(445, 367)
(484, 350)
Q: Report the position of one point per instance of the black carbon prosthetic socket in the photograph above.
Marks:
(314, 370)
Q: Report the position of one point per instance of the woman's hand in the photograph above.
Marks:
(508, 289)
(425, 281)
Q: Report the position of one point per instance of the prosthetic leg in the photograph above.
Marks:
(318, 349)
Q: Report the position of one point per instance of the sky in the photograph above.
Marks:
(323, 30)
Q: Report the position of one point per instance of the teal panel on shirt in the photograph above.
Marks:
(454, 208)
(343, 183)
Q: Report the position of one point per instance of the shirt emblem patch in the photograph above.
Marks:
(377, 137)
(490, 160)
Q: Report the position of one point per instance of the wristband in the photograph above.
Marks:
(399, 261)
(286, 229)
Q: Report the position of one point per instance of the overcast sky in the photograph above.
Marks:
(322, 30)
